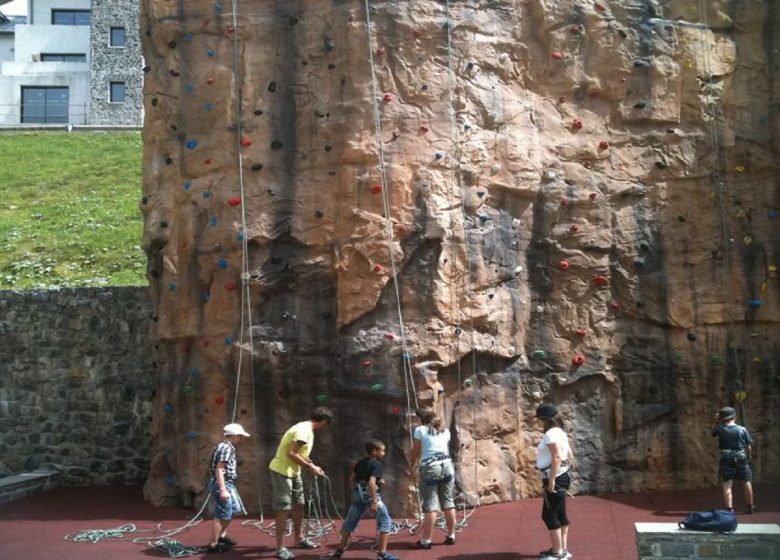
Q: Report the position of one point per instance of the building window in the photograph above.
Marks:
(118, 37)
(63, 57)
(70, 17)
(44, 104)
(117, 92)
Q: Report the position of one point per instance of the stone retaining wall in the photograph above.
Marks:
(665, 541)
(76, 383)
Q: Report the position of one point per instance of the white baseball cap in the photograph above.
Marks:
(235, 430)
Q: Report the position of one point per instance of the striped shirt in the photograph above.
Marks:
(224, 451)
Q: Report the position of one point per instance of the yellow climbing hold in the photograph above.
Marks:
(740, 214)
(740, 396)
(772, 269)
(764, 286)
(688, 63)
(747, 239)
(739, 168)
(757, 360)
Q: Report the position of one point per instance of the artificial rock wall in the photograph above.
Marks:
(564, 200)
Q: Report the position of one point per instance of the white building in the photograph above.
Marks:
(59, 55)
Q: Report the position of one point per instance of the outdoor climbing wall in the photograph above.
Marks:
(483, 203)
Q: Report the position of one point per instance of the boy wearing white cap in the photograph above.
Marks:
(222, 487)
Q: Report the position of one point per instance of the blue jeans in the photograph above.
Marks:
(225, 509)
(361, 499)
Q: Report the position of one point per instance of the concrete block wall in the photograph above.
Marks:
(666, 541)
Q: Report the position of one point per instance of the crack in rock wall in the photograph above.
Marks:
(479, 204)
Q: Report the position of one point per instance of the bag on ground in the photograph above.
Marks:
(717, 520)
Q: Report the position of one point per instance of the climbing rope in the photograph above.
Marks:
(96, 535)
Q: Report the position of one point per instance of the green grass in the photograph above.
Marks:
(69, 210)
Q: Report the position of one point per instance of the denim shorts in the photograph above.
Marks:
(361, 500)
(437, 485)
(286, 491)
(225, 509)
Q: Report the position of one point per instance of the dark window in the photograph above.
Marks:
(117, 92)
(70, 17)
(62, 57)
(44, 104)
(118, 37)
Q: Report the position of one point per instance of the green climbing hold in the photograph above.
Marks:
(377, 387)
(187, 389)
(321, 398)
(716, 360)
(678, 357)
(539, 353)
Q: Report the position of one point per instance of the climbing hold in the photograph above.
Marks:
(603, 145)
(661, 164)
(387, 98)
(563, 265)
(578, 360)
(367, 363)
(191, 144)
(484, 219)
(562, 99)
(218, 7)
(716, 360)
(557, 55)
(423, 129)
(439, 155)
(574, 228)
(681, 218)
(739, 168)
(376, 189)
(207, 161)
(206, 194)
(377, 387)
(209, 80)
(576, 124)
(396, 410)
(678, 357)
(191, 435)
(564, 202)
(747, 240)
(208, 106)
(223, 264)
(172, 286)
(575, 29)
(592, 196)
(417, 33)
(380, 51)
(772, 269)
(539, 353)
(319, 213)
(468, 382)
(582, 333)
(389, 336)
(458, 331)
(772, 214)
(321, 398)
(229, 340)
(755, 303)
(599, 7)
(378, 268)
(740, 396)
(614, 305)
(168, 407)
(245, 141)
(234, 200)
(219, 400)
(210, 53)
(276, 145)
(480, 194)
(757, 360)
(688, 63)
(206, 296)
(230, 286)
(691, 336)
(600, 280)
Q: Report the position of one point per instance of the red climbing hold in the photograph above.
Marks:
(592, 196)
(205, 343)
(230, 29)
(219, 400)
(603, 145)
(574, 228)
(562, 99)
(417, 33)
(557, 55)
(564, 202)
(207, 161)
(234, 200)
(578, 360)
(380, 50)
(245, 141)
(230, 286)
(389, 336)
(366, 363)
(423, 129)
(378, 268)
(614, 305)
(576, 124)
(575, 29)
(376, 189)
(600, 280)
(582, 333)
(401, 229)
(563, 265)
(387, 98)
(396, 410)
(599, 7)
(209, 81)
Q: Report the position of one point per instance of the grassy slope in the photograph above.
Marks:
(69, 209)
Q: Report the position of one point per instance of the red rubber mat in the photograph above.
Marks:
(602, 527)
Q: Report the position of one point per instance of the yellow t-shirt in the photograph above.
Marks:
(302, 431)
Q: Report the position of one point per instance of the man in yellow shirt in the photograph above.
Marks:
(291, 457)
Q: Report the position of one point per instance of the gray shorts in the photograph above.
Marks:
(286, 491)
(437, 485)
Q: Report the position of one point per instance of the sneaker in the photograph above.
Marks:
(750, 509)
(227, 540)
(284, 554)
(449, 540)
(338, 553)
(422, 545)
(386, 556)
(219, 547)
(306, 543)
(549, 554)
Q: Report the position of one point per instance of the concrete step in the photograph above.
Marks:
(26, 484)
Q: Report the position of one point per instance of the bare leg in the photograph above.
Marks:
(218, 530)
(555, 539)
(749, 493)
(297, 517)
(429, 519)
(565, 537)
(281, 527)
(383, 542)
(449, 517)
(727, 499)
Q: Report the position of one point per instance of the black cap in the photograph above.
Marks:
(727, 413)
(546, 410)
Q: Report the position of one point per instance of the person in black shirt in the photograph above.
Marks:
(735, 451)
(366, 480)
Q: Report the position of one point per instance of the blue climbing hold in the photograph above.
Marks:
(206, 194)
(206, 296)
(195, 372)
(172, 286)
(191, 144)
(168, 407)
(187, 185)
(218, 7)
(458, 330)
(208, 106)
(189, 88)
(213, 220)
(188, 36)
(772, 214)
(169, 480)
(240, 236)
(229, 340)
(222, 263)
(755, 303)
(192, 435)
(484, 219)
(210, 53)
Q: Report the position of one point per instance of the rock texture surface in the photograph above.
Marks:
(562, 200)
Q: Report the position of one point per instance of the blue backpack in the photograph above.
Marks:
(717, 520)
